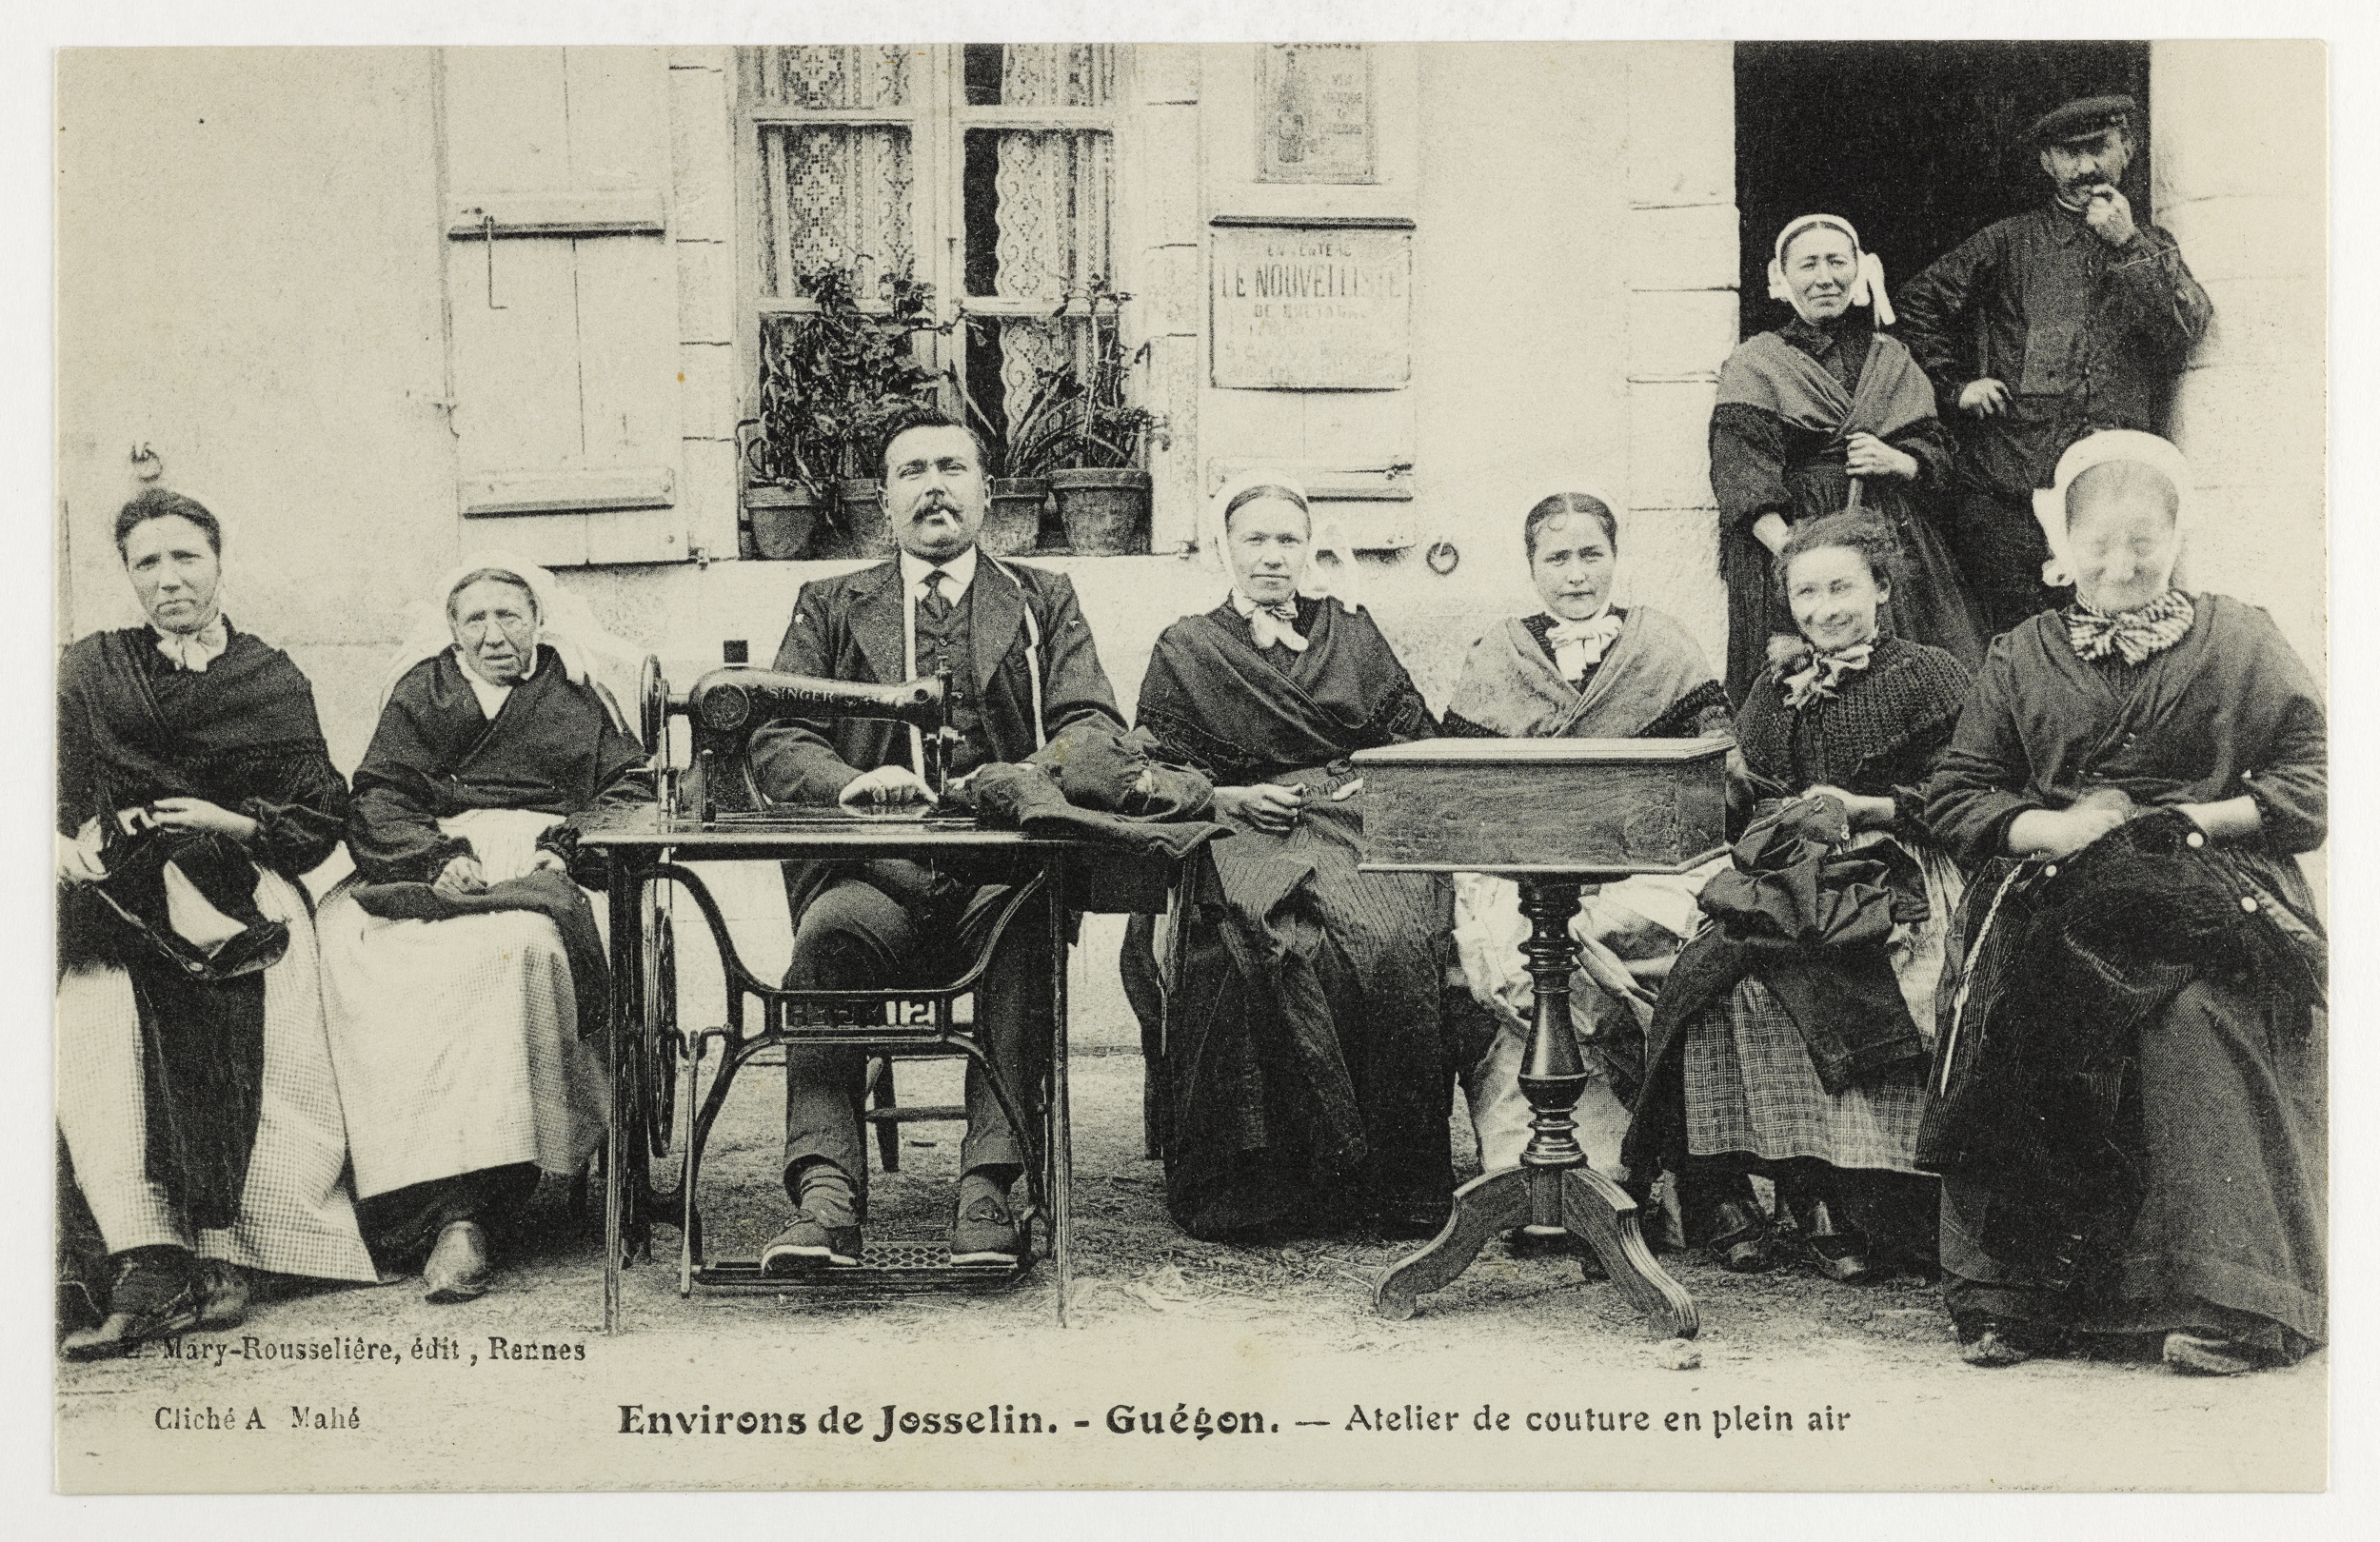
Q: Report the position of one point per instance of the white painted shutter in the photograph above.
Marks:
(562, 284)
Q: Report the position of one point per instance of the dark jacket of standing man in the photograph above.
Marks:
(1022, 668)
(2041, 329)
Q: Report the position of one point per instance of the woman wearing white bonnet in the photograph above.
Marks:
(1581, 668)
(2132, 780)
(463, 968)
(1822, 414)
(1310, 1086)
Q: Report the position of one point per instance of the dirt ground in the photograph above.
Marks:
(1152, 1306)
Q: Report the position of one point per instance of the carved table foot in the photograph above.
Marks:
(1486, 1207)
(1581, 1200)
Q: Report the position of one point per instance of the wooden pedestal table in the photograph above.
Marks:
(1556, 814)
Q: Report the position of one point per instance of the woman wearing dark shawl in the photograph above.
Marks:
(1304, 1074)
(1581, 668)
(2127, 1097)
(463, 965)
(199, 1118)
(1822, 414)
(1791, 1038)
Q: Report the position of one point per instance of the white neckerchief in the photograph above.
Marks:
(1579, 644)
(958, 574)
(195, 651)
(1268, 624)
(491, 697)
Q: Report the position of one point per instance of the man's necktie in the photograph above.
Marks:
(934, 606)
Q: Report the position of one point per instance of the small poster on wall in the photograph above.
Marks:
(1314, 113)
(1309, 304)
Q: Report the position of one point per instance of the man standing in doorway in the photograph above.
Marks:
(2041, 329)
(1022, 668)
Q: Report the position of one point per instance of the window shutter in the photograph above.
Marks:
(562, 293)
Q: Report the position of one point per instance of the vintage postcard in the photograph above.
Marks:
(1200, 765)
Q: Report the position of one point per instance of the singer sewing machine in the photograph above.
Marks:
(712, 809)
(726, 706)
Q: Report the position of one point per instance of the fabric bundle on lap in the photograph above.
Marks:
(2128, 1094)
(199, 1109)
(406, 967)
(1790, 1040)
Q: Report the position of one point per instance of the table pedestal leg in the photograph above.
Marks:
(1553, 1186)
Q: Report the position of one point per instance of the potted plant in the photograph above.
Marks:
(781, 509)
(1100, 478)
(1019, 456)
(832, 382)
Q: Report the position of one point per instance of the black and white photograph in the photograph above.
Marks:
(1191, 764)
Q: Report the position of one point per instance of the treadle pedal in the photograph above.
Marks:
(917, 1112)
(887, 1267)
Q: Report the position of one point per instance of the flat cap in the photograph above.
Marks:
(2085, 118)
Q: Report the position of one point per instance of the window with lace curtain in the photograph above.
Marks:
(986, 170)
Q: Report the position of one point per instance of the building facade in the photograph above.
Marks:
(382, 307)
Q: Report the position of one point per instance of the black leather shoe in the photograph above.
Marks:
(2198, 1352)
(1740, 1236)
(222, 1290)
(1840, 1252)
(1991, 1342)
(984, 1231)
(808, 1245)
(152, 1298)
(457, 1268)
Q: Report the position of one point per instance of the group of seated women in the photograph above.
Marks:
(2008, 978)
(2008, 981)
(359, 1092)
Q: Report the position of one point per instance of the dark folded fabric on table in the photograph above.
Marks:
(1096, 784)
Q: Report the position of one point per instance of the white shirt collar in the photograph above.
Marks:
(958, 574)
(491, 698)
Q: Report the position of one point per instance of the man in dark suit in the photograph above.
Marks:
(1022, 669)
(2043, 328)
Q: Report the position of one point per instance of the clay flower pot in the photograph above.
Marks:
(1105, 510)
(782, 517)
(1013, 526)
(859, 527)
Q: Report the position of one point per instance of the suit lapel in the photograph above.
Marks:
(998, 611)
(876, 620)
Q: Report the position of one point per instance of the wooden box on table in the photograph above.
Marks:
(1551, 806)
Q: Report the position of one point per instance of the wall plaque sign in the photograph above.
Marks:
(1314, 113)
(1311, 305)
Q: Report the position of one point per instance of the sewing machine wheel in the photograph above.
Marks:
(660, 1045)
(653, 694)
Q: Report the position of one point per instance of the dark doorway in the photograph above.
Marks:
(1914, 143)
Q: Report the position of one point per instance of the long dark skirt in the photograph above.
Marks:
(1930, 604)
(1305, 1075)
(2228, 1092)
